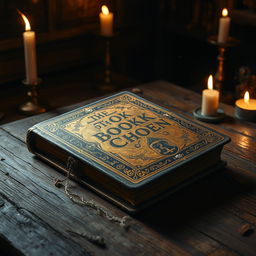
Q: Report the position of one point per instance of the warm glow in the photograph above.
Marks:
(27, 24)
(104, 10)
(210, 82)
(225, 12)
(247, 97)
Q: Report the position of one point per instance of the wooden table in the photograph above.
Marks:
(205, 218)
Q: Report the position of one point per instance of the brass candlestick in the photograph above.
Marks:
(107, 86)
(32, 107)
(107, 79)
(220, 74)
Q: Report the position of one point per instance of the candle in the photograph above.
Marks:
(246, 102)
(210, 99)
(224, 24)
(246, 108)
(29, 39)
(106, 21)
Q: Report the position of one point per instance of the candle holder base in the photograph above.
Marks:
(209, 119)
(246, 115)
(32, 107)
(1, 115)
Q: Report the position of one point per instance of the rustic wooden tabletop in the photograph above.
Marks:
(215, 216)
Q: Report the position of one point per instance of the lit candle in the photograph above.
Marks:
(210, 99)
(29, 39)
(246, 102)
(224, 24)
(246, 108)
(106, 21)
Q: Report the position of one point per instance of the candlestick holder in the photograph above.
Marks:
(107, 84)
(222, 47)
(219, 117)
(32, 106)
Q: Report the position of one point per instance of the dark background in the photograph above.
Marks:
(154, 39)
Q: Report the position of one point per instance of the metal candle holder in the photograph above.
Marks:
(108, 85)
(219, 117)
(220, 74)
(245, 114)
(32, 107)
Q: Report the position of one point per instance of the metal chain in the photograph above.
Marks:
(96, 239)
(123, 222)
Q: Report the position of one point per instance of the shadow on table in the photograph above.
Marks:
(196, 201)
(7, 249)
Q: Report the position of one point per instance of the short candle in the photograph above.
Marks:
(246, 108)
(210, 99)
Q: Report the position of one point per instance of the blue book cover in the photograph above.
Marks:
(132, 144)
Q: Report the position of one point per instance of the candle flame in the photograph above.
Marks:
(225, 12)
(27, 24)
(247, 97)
(210, 82)
(104, 10)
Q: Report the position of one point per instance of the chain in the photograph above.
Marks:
(77, 199)
(123, 222)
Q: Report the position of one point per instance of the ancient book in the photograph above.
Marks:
(128, 149)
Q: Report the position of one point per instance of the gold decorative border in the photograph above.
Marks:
(78, 150)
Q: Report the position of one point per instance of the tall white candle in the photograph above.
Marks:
(106, 21)
(224, 24)
(29, 38)
(210, 99)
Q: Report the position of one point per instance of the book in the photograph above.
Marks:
(128, 149)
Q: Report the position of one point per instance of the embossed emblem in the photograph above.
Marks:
(130, 136)
(162, 146)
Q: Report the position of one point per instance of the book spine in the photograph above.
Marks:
(30, 139)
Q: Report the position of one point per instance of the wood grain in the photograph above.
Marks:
(202, 219)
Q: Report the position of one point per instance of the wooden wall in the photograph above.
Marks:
(164, 39)
(62, 28)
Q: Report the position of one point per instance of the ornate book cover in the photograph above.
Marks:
(128, 148)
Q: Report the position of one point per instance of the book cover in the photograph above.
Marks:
(131, 143)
